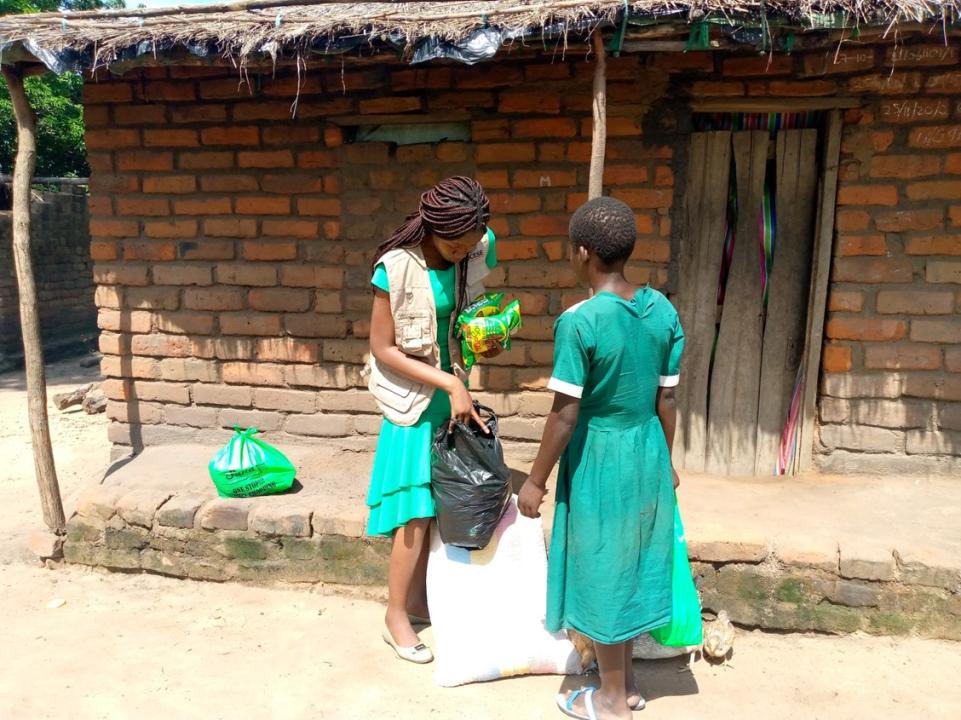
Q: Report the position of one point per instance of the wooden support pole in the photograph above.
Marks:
(29, 318)
(595, 185)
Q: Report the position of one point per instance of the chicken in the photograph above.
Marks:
(585, 648)
(719, 638)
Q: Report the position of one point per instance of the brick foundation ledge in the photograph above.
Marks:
(160, 514)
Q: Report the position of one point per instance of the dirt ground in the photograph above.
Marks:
(86, 644)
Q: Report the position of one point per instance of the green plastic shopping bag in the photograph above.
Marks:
(247, 466)
(685, 628)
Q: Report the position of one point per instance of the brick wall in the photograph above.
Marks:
(62, 268)
(232, 242)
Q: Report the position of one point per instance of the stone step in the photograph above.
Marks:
(807, 554)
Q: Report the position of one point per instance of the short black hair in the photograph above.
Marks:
(604, 226)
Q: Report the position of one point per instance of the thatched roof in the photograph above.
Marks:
(465, 31)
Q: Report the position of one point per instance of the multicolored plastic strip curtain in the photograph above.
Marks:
(767, 237)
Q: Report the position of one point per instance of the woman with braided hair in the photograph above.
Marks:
(424, 274)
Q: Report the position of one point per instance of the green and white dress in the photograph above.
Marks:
(400, 480)
(609, 573)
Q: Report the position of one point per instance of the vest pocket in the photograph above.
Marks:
(414, 332)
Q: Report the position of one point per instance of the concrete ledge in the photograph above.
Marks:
(779, 554)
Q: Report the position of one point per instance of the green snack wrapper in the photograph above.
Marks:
(483, 332)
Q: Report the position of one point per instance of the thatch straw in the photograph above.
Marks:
(295, 30)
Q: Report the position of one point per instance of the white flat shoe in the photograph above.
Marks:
(419, 654)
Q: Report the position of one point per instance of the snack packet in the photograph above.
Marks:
(482, 326)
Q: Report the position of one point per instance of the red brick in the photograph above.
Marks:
(120, 275)
(914, 302)
(852, 220)
(652, 250)
(100, 162)
(509, 203)
(292, 183)
(856, 328)
(948, 82)
(861, 245)
(936, 331)
(487, 130)
(954, 213)
(845, 301)
(942, 272)
(694, 61)
(231, 135)
(836, 358)
(129, 115)
(390, 104)
(105, 227)
(243, 274)
(290, 350)
(935, 137)
(247, 323)
(927, 55)
(147, 250)
(901, 220)
(169, 91)
(933, 245)
(952, 163)
(280, 299)
(904, 166)
(137, 206)
(714, 88)
(544, 178)
(544, 128)
(505, 153)
(936, 386)
(554, 71)
(369, 153)
(172, 184)
(170, 138)
(952, 360)
(902, 357)
(228, 183)
(663, 176)
(111, 138)
(247, 373)
(132, 322)
(291, 135)
(312, 276)
(108, 92)
(314, 159)
(216, 299)
(625, 175)
(868, 195)
(450, 152)
(145, 160)
(575, 200)
(263, 206)
(516, 250)
(839, 61)
(205, 249)
(260, 110)
(181, 274)
(265, 159)
(488, 76)
(209, 160)
(935, 190)
(170, 228)
(873, 270)
(886, 83)
(541, 275)
(492, 179)
(758, 65)
(202, 206)
(639, 198)
(290, 228)
(230, 227)
(208, 112)
(185, 323)
(915, 110)
(319, 206)
(530, 102)
(258, 250)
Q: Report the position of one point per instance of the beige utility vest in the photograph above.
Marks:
(400, 399)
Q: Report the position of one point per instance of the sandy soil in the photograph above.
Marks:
(86, 644)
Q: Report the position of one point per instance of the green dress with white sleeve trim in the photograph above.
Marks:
(400, 480)
(609, 568)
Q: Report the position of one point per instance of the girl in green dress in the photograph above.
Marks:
(446, 235)
(616, 361)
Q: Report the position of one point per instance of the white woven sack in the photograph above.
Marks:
(487, 607)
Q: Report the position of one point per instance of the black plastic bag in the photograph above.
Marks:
(470, 482)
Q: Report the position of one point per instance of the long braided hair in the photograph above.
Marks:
(450, 209)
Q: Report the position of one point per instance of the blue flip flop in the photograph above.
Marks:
(566, 704)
